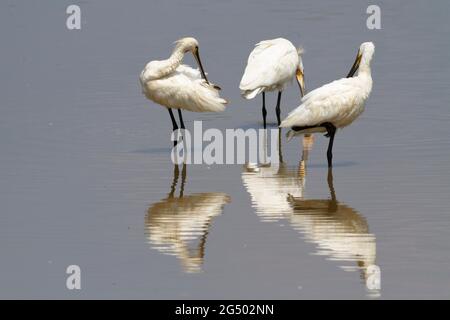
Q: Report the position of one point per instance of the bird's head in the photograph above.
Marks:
(187, 44)
(364, 57)
(190, 44)
(367, 49)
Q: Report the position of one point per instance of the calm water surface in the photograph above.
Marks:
(86, 176)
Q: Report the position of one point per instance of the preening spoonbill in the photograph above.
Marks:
(336, 104)
(271, 66)
(176, 86)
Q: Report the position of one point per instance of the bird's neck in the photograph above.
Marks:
(365, 76)
(364, 70)
(169, 65)
(364, 66)
(176, 57)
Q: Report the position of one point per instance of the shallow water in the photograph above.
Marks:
(86, 176)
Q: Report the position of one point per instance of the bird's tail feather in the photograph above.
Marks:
(250, 94)
(208, 99)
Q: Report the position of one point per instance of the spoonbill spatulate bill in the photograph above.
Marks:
(271, 66)
(177, 86)
(336, 104)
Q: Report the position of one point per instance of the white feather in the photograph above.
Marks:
(271, 66)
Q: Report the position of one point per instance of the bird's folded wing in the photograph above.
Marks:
(266, 65)
(194, 92)
(322, 104)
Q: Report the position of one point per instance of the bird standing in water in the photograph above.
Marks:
(336, 104)
(270, 67)
(177, 86)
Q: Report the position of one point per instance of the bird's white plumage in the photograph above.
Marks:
(339, 102)
(177, 86)
(183, 89)
(271, 66)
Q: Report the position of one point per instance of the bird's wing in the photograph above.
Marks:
(330, 89)
(188, 90)
(271, 62)
(323, 104)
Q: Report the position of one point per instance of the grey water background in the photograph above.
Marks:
(84, 155)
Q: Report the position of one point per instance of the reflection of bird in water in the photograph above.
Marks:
(269, 184)
(179, 225)
(339, 231)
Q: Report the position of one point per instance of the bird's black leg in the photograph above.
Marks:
(277, 109)
(331, 131)
(174, 124)
(181, 119)
(264, 111)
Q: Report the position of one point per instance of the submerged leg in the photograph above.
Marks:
(174, 124)
(181, 119)
(333, 203)
(330, 184)
(280, 151)
(176, 173)
(331, 131)
(277, 109)
(264, 111)
(183, 180)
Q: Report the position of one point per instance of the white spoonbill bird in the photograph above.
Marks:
(271, 66)
(176, 86)
(336, 104)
